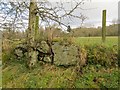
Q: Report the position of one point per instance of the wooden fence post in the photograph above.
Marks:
(103, 25)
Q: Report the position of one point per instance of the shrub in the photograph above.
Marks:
(102, 55)
(56, 39)
(7, 56)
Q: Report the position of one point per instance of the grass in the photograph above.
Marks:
(16, 75)
(0, 76)
(98, 78)
(49, 76)
(44, 76)
(110, 41)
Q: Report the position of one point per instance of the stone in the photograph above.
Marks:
(47, 59)
(44, 47)
(19, 53)
(32, 62)
(65, 55)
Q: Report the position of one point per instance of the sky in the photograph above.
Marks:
(93, 10)
(86, 0)
(95, 14)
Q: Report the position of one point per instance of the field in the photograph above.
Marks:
(110, 41)
(16, 75)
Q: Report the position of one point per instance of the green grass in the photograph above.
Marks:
(0, 74)
(98, 78)
(44, 76)
(16, 75)
(110, 41)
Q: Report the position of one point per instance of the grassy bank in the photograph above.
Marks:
(101, 70)
(16, 75)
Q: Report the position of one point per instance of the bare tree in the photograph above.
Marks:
(18, 12)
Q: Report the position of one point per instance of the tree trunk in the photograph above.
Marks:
(31, 34)
(36, 27)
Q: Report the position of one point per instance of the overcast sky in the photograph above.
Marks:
(93, 10)
(95, 14)
(80, 0)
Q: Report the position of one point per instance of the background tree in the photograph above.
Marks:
(18, 11)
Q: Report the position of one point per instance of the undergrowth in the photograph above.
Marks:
(101, 71)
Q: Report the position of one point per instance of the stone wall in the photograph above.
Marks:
(64, 54)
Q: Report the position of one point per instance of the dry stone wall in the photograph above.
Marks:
(64, 54)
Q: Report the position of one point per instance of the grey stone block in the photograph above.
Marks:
(65, 55)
